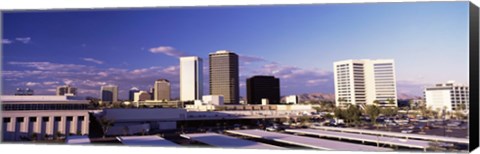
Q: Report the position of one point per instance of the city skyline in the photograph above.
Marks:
(88, 61)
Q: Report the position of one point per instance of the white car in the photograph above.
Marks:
(407, 131)
(270, 129)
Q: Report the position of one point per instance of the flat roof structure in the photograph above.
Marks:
(410, 143)
(78, 140)
(310, 142)
(397, 134)
(225, 141)
(150, 140)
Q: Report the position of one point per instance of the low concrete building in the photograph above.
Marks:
(43, 116)
(141, 120)
(213, 99)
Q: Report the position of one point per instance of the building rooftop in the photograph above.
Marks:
(222, 52)
(37, 98)
(224, 141)
(151, 140)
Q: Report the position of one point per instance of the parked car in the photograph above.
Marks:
(407, 131)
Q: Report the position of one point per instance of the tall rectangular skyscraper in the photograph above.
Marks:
(109, 93)
(162, 90)
(263, 87)
(191, 78)
(224, 75)
(365, 81)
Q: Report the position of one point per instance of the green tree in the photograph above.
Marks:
(106, 124)
(373, 112)
(352, 114)
(304, 120)
(338, 113)
(391, 101)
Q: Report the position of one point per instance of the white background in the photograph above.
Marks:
(63, 4)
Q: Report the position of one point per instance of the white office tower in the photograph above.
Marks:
(362, 82)
(291, 99)
(450, 96)
(191, 78)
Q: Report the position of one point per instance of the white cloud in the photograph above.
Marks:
(7, 41)
(67, 81)
(24, 40)
(167, 50)
(245, 59)
(48, 83)
(93, 60)
(31, 84)
(48, 66)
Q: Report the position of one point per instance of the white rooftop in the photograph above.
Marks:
(38, 98)
(396, 134)
(151, 140)
(411, 143)
(220, 140)
(78, 140)
(310, 142)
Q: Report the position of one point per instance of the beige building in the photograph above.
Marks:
(224, 76)
(141, 96)
(162, 90)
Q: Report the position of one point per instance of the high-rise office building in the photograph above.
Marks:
(365, 81)
(263, 87)
(162, 90)
(191, 78)
(224, 75)
(66, 90)
(449, 96)
(131, 93)
(109, 94)
(152, 92)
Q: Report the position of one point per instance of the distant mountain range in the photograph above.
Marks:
(313, 97)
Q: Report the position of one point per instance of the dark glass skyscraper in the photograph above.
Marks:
(263, 87)
(131, 93)
(224, 76)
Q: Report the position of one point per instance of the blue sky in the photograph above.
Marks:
(297, 43)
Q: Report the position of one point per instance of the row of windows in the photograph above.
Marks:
(44, 119)
(15, 107)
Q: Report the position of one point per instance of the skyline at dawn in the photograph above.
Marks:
(296, 43)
